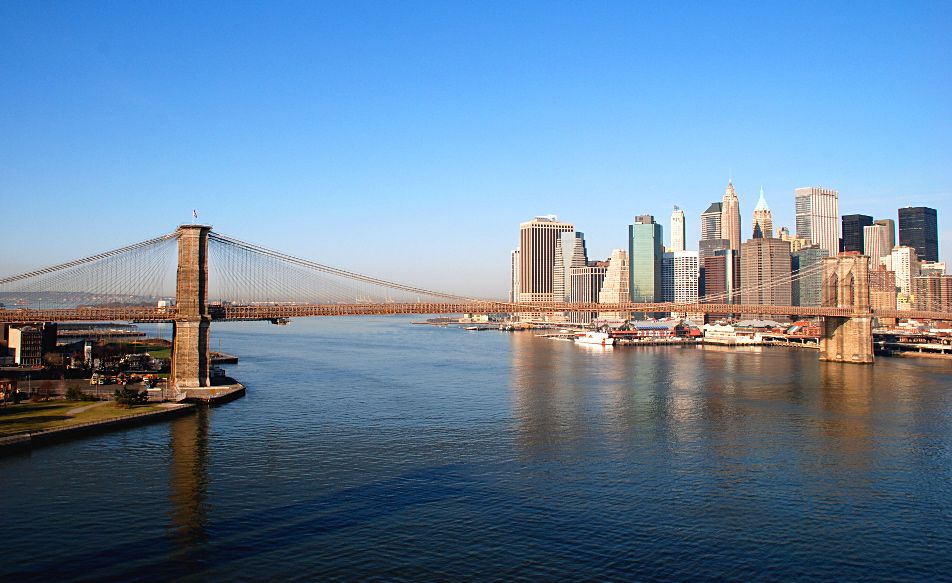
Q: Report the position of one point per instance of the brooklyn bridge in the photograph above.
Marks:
(249, 282)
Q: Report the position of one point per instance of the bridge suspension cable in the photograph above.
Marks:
(246, 273)
(135, 274)
(790, 279)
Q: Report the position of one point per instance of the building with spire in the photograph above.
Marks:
(730, 217)
(763, 219)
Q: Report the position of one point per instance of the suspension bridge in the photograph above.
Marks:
(249, 282)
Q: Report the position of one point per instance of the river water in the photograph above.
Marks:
(373, 448)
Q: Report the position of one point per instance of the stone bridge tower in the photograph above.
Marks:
(846, 285)
(190, 353)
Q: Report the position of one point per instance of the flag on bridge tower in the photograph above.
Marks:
(194, 215)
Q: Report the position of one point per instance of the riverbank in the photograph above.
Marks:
(27, 424)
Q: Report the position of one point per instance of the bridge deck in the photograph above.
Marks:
(269, 312)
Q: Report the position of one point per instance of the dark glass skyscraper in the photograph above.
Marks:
(853, 232)
(918, 228)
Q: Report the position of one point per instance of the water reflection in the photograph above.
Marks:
(188, 496)
(725, 405)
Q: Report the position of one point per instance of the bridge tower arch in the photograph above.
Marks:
(846, 285)
(190, 351)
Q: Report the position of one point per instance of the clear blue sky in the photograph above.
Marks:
(408, 140)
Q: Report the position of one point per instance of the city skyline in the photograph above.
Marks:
(313, 129)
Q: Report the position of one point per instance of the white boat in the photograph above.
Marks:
(599, 338)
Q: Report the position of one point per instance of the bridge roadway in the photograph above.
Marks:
(224, 312)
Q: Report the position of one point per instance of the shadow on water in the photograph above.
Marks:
(190, 548)
(189, 488)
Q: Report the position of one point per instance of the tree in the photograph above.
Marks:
(126, 397)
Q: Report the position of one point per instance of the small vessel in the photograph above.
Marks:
(599, 338)
(471, 328)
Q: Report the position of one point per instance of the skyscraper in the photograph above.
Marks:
(587, 282)
(876, 243)
(615, 287)
(763, 218)
(918, 228)
(537, 240)
(514, 277)
(853, 225)
(904, 261)
(645, 253)
(765, 272)
(890, 226)
(808, 276)
(722, 278)
(569, 252)
(677, 230)
(667, 277)
(933, 292)
(817, 216)
(686, 280)
(730, 217)
(711, 222)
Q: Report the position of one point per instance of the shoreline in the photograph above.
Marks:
(27, 440)
(206, 396)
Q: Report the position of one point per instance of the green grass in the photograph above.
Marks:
(27, 417)
(164, 353)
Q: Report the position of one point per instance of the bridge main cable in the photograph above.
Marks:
(90, 259)
(224, 239)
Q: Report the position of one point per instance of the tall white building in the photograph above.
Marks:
(905, 263)
(818, 217)
(687, 273)
(876, 244)
(514, 277)
(615, 288)
(537, 240)
(677, 230)
(569, 252)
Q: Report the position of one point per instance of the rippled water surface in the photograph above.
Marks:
(368, 447)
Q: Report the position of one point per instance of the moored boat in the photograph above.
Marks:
(599, 338)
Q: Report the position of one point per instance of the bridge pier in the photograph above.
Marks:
(847, 339)
(191, 358)
(846, 285)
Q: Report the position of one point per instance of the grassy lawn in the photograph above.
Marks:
(160, 352)
(26, 417)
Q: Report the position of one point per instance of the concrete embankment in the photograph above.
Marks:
(27, 440)
(214, 394)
